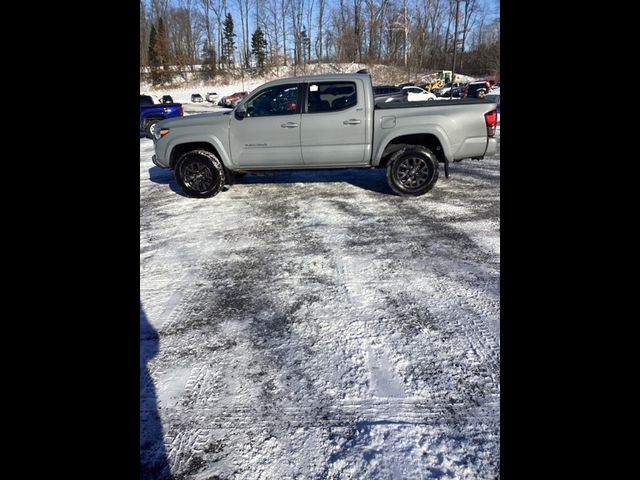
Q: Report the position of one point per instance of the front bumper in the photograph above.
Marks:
(154, 159)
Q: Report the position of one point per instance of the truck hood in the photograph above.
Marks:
(197, 119)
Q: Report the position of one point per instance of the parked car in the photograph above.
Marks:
(232, 100)
(196, 97)
(337, 126)
(211, 97)
(151, 114)
(445, 90)
(459, 90)
(235, 101)
(167, 99)
(476, 89)
(417, 94)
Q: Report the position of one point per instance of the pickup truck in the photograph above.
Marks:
(334, 123)
(151, 113)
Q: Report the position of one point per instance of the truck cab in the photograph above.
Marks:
(152, 113)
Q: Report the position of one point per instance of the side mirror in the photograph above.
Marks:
(241, 111)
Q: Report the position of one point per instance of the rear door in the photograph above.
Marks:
(333, 127)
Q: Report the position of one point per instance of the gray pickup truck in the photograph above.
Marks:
(325, 121)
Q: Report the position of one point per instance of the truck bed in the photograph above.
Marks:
(457, 124)
(431, 103)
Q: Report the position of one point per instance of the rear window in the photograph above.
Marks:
(146, 100)
(331, 96)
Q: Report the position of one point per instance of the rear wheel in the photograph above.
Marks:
(200, 174)
(412, 171)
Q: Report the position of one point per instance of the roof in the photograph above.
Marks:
(325, 77)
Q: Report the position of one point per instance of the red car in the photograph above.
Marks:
(232, 100)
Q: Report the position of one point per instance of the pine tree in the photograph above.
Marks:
(228, 43)
(163, 52)
(153, 58)
(259, 48)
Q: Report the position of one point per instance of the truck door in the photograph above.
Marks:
(333, 124)
(269, 135)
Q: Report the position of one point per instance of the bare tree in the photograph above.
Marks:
(371, 31)
(357, 9)
(245, 50)
(284, 7)
(470, 10)
(319, 38)
(309, 39)
(375, 10)
(296, 9)
(183, 39)
(271, 25)
(219, 11)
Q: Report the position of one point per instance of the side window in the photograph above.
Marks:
(278, 100)
(331, 96)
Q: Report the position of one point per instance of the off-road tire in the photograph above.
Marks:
(412, 171)
(150, 125)
(200, 174)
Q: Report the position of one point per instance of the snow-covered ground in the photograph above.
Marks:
(314, 325)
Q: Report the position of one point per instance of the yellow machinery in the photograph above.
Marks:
(434, 84)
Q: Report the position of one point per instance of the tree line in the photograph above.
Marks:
(226, 36)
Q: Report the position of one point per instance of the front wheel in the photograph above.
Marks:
(412, 171)
(200, 174)
(151, 127)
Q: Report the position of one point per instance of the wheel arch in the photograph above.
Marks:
(427, 140)
(181, 148)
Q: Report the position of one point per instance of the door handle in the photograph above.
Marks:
(289, 125)
(352, 121)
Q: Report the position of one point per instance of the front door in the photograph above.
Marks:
(269, 136)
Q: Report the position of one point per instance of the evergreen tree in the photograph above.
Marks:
(163, 52)
(153, 58)
(228, 42)
(259, 48)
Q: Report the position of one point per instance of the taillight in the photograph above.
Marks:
(181, 111)
(491, 119)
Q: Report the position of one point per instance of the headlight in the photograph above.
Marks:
(160, 132)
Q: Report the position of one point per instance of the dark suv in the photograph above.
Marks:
(167, 99)
(477, 89)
